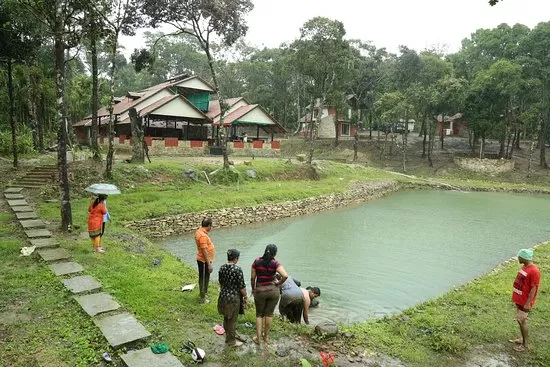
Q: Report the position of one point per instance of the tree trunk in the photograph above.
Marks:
(65, 198)
(137, 136)
(424, 131)
(405, 135)
(95, 99)
(111, 149)
(531, 150)
(542, 140)
(41, 122)
(355, 146)
(225, 153)
(431, 141)
(13, 122)
(34, 90)
(442, 138)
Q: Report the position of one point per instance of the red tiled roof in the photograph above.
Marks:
(214, 108)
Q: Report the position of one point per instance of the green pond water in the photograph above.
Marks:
(389, 254)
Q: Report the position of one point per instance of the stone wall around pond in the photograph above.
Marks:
(187, 222)
(488, 166)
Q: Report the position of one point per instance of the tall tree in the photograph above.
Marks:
(61, 20)
(16, 46)
(326, 60)
(204, 20)
(119, 17)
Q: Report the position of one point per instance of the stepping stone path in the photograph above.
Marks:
(21, 209)
(17, 203)
(54, 254)
(97, 303)
(118, 329)
(13, 190)
(121, 329)
(32, 223)
(37, 233)
(44, 242)
(26, 215)
(82, 283)
(14, 196)
(66, 268)
(146, 358)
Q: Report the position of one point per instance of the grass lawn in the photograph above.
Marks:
(56, 332)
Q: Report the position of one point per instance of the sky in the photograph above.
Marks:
(417, 24)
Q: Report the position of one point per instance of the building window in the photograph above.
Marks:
(345, 129)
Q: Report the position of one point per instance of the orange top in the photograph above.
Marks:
(203, 242)
(95, 220)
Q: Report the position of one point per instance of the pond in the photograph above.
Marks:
(390, 254)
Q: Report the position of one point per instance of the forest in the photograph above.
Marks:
(60, 60)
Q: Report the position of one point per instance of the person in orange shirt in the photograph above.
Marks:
(97, 210)
(205, 257)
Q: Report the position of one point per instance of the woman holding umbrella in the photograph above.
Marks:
(97, 210)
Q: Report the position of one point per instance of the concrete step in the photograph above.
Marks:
(31, 180)
(41, 174)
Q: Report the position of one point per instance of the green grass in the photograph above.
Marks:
(442, 331)
(449, 327)
(40, 323)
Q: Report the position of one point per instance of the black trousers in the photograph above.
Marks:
(204, 278)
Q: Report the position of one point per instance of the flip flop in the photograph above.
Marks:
(107, 357)
(521, 348)
(219, 329)
(516, 341)
(248, 325)
(255, 340)
(188, 347)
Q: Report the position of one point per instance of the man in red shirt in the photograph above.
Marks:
(526, 287)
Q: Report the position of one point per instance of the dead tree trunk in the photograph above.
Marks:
(137, 136)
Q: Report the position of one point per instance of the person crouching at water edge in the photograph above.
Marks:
(296, 301)
(524, 296)
(97, 210)
(265, 289)
(232, 291)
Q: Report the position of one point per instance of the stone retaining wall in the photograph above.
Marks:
(177, 224)
(489, 166)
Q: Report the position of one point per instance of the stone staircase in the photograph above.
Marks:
(37, 177)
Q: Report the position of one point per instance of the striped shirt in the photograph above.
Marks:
(265, 274)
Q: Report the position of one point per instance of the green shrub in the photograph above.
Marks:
(24, 141)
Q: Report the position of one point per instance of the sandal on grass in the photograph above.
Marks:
(516, 341)
(521, 348)
(256, 340)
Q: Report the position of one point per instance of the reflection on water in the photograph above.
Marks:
(390, 254)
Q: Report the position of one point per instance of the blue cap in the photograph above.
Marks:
(526, 254)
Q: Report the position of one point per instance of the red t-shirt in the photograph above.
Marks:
(527, 278)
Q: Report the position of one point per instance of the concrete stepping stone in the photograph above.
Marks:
(82, 283)
(121, 329)
(146, 358)
(65, 268)
(22, 209)
(13, 190)
(44, 242)
(32, 223)
(17, 203)
(38, 233)
(54, 254)
(13, 196)
(26, 215)
(97, 303)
